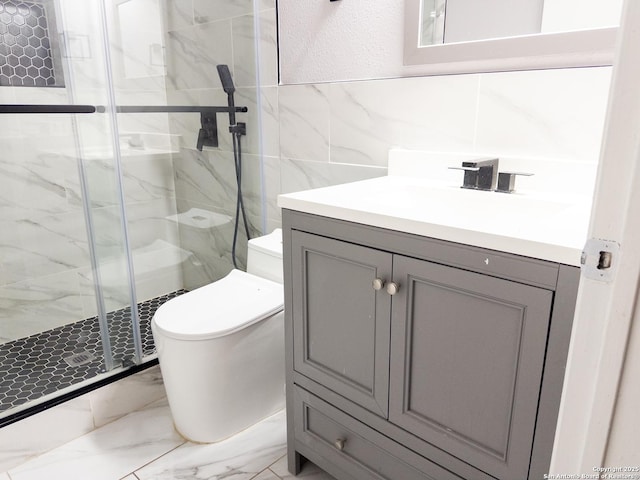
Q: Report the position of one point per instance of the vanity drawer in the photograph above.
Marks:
(323, 432)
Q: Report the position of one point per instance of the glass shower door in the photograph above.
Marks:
(88, 59)
(67, 304)
(106, 215)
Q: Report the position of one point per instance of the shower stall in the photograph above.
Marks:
(108, 209)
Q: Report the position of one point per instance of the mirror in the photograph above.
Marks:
(453, 21)
(462, 36)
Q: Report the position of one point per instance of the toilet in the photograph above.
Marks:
(221, 348)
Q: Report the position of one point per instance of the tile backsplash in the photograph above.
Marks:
(337, 132)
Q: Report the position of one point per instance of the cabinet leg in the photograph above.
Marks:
(294, 462)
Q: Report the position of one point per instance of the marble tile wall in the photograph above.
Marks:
(202, 34)
(46, 279)
(147, 148)
(146, 145)
(299, 136)
(338, 132)
(42, 236)
(314, 135)
(45, 276)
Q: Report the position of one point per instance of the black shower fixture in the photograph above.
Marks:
(225, 79)
(229, 88)
(208, 134)
(237, 131)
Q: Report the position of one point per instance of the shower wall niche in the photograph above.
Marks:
(29, 54)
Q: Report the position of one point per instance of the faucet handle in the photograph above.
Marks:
(480, 174)
(470, 176)
(507, 181)
(468, 169)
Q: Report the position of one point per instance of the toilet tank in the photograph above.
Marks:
(264, 256)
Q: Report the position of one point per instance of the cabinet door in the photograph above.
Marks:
(467, 356)
(341, 325)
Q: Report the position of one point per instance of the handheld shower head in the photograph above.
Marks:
(225, 79)
(229, 88)
(236, 130)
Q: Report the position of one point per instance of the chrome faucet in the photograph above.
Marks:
(480, 174)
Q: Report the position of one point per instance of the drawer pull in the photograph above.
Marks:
(339, 443)
(378, 284)
(392, 288)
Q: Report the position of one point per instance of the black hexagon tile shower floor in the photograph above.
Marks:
(47, 362)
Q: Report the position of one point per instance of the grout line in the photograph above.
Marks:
(266, 470)
(275, 474)
(156, 459)
(276, 461)
(128, 475)
(271, 465)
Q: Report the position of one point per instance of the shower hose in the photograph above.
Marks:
(237, 157)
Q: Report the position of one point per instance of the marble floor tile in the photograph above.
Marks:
(108, 453)
(309, 471)
(264, 475)
(240, 457)
(129, 394)
(25, 440)
(144, 446)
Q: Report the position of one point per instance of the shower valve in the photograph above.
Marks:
(208, 134)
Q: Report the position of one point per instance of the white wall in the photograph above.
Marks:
(344, 40)
(600, 382)
(565, 15)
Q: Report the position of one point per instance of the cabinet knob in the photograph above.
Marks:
(378, 284)
(339, 443)
(392, 288)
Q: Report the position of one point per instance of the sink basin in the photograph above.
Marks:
(551, 227)
(449, 201)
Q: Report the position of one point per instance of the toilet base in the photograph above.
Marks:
(221, 386)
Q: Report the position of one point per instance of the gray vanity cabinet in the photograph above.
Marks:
(342, 323)
(454, 374)
(466, 363)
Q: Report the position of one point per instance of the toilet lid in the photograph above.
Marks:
(220, 308)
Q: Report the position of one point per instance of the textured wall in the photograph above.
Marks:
(322, 41)
(333, 41)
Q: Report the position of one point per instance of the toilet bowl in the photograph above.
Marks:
(221, 348)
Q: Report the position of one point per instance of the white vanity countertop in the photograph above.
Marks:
(539, 225)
